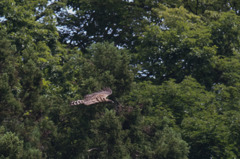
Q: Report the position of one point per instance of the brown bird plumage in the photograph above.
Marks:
(97, 97)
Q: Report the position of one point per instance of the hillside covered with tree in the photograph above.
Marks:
(173, 67)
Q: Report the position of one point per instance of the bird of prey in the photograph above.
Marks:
(97, 97)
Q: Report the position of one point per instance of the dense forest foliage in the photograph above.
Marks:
(173, 67)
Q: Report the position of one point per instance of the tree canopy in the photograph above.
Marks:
(173, 67)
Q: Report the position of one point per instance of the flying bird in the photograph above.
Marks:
(97, 97)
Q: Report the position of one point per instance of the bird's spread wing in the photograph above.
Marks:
(105, 92)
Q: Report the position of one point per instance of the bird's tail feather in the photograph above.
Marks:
(77, 102)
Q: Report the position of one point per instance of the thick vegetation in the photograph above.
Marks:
(173, 66)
